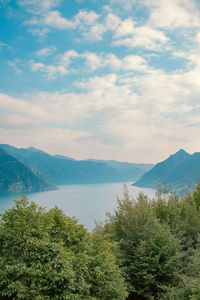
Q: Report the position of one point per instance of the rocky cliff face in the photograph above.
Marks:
(15, 177)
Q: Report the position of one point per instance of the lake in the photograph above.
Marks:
(87, 202)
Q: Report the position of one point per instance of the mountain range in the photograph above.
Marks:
(179, 171)
(58, 169)
(128, 171)
(24, 170)
(15, 177)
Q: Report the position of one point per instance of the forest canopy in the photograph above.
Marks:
(47, 255)
(147, 249)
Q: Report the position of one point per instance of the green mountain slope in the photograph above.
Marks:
(15, 177)
(180, 171)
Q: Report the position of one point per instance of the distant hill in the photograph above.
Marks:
(15, 177)
(60, 169)
(180, 171)
(128, 171)
(63, 170)
(63, 157)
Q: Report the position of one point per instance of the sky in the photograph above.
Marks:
(114, 79)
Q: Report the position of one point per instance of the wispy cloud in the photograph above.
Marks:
(16, 65)
(46, 51)
(144, 37)
(115, 111)
(93, 26)
(117, 79)
(89, 62)
(3, 45)
(38, 6)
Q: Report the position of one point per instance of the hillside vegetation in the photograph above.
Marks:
(15, 177)
(147, 249)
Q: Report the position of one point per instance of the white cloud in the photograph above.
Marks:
(88, 61)
(22, 122)
(197, 38)
(126, 4)
(61, 68)
(93, 61)
(17, 113)
(112, 22)
(124, 107)
(114, 115)
(54, 19)
(93, 26)
(39, 32)
(94, 33)
(169, 14)
(65, 59)
(127, 33)
(144, 37)
(86, 17)
(46, 51)
(39, 6)
(16, 65)
(85, 21)
(50, 70)
(124, 28)
(173, 14)
(129, 62)
(100, 84)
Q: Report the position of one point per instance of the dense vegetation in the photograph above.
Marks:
(46, 255)
(159, 244)
(150, 248)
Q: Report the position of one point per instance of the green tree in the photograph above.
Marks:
(47, 255)
(105, 278)
(189, 287)
(150, 255)
(181, 214)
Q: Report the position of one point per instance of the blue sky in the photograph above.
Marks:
(103, 79)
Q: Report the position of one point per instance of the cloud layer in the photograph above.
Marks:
(118, 81)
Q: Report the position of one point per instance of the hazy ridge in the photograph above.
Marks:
(58, 169)
(179, 171)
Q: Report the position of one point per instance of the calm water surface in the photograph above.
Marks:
(87, 202)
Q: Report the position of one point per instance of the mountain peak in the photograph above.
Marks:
(180, 153)
(178, 171)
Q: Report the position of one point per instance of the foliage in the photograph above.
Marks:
(106, 281)
(47, 255)
(159, 244)
(149, 247)
(149, 253)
